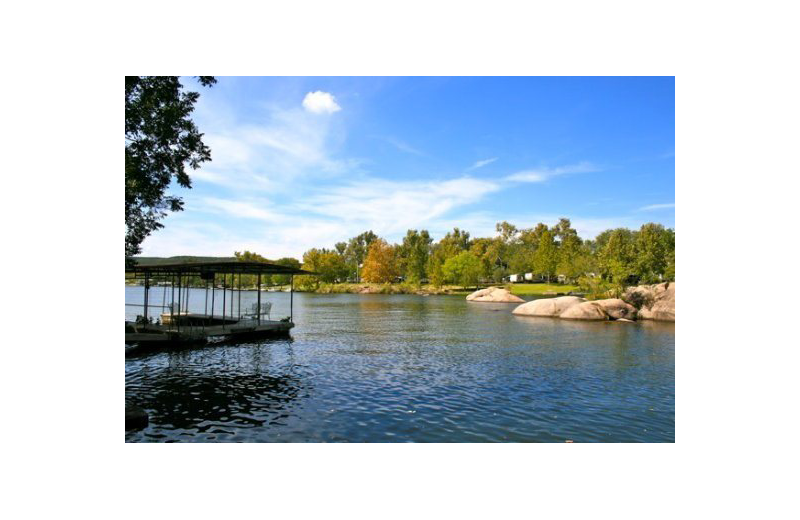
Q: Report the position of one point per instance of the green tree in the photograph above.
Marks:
(571, 257)
(617, 257)
(464, 269)
(563, 230)
(508, 232)
(284, 279)
(669, 269)
(450, 245)
(545, 258)
(329, 265)
(456, 241)
(413, 255)
(251, 280)
(485, 250)
(160, 140)
(530, 237)
(652, 244)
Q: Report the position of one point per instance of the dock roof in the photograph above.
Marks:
(227, 267)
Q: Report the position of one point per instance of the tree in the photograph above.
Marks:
(330, 266)
(654, 248)
(160, 140)
(284, 279)
(650, 255)
(250, 280)
(380, 265)
(450, 245)
(463, 269)
(414, 253)
(508, 232)
(520, 258)
(570, 257)
(485, 250)
(456, 240)
(356, 250)
(545, 258)
(530, 237)
(617, 257)
(563, 230)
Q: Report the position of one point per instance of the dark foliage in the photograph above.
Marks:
(160, 140)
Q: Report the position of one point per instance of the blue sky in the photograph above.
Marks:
(307, 162)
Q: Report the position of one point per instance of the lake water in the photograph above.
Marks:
(408, 368)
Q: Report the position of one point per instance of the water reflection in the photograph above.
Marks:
(217, 390)
(391, 368)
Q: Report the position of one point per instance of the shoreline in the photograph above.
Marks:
(545, 290)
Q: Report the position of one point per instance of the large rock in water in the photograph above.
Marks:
(655, 302)
(585, 311)
(551, 307)
(617, 309)
(494, 295)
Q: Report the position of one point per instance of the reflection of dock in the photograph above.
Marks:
(178, 326)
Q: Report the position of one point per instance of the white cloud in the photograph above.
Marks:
(320, 103)
(281, 146)
(481, 164)
(241, 209)
(654, 207)
(527, 176)
(392, 207)
(542, 174)
(322, 217)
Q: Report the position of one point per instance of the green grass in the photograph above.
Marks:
(521, 289)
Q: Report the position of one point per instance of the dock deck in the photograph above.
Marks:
(166, 335)
(180, 326)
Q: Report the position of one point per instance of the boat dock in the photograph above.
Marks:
(221, 318)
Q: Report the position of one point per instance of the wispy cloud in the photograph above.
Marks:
(320, 103)
(654, 207)
(542, 174)
(277, 146)
(395, 206)
(323, 216)
(402, 145)
(481, 164)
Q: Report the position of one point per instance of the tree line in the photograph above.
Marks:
(614, 259)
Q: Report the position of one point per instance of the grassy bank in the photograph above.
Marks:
(521, 289)
(528, 289)
(377, 288)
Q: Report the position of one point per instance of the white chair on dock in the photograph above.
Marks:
(254, 313)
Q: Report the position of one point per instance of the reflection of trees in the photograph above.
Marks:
(205, 390)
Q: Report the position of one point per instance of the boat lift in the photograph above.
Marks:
(177, 325)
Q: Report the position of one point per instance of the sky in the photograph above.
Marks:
(307, 162)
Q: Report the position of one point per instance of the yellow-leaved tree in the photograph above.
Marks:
(380, 265)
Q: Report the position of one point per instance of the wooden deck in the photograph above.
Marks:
(196, 319)
(168, 335)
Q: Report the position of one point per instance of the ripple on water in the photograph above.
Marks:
(381, 368)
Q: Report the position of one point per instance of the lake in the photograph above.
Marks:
(409, 368)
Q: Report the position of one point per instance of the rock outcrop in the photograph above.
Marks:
(655, 302)
(494, 295)
(574, 308)
(551, 307)
(585, 311)
(617, 309)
